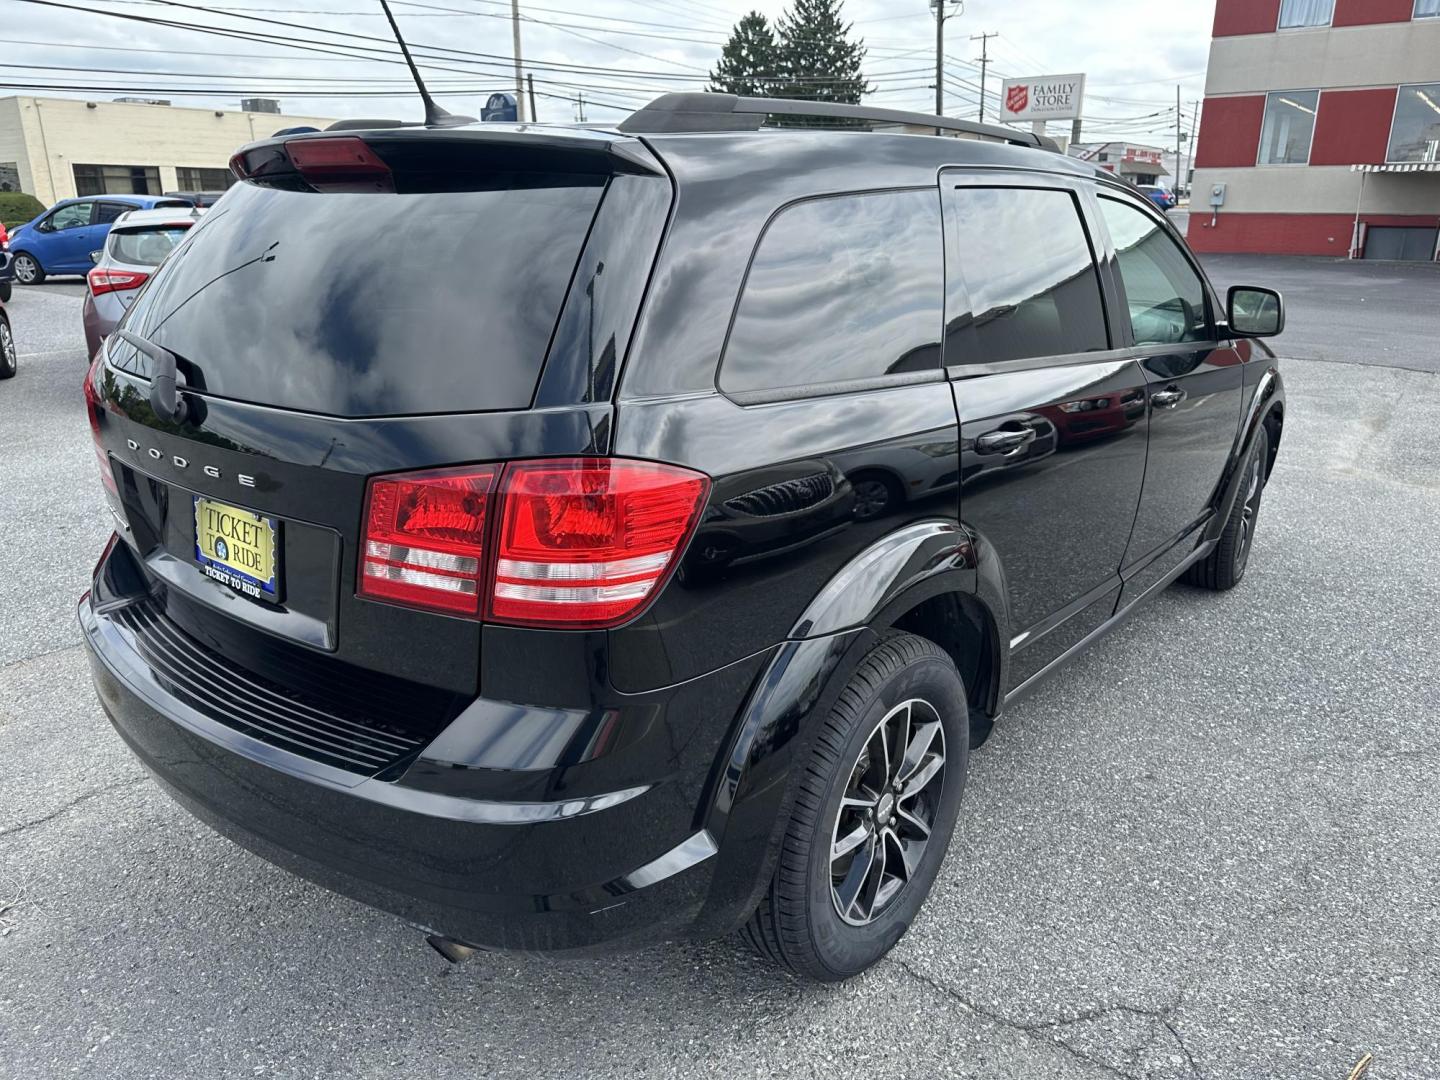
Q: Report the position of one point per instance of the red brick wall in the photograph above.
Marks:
(1353, 127)
(1230, 132)
(1287, 234)
(1246, 17)
(1365, 12)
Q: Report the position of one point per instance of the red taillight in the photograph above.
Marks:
(586, 542)
(339, 164)
(570, 543)
(93, 409)
(103, 280)
(425, 538)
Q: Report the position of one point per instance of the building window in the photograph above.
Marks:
(1306, 13)
(1289, 125)
(1415, 135)
(203, 179)
(117, 180)
(1427, 9)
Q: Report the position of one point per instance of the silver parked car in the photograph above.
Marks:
(138, 242)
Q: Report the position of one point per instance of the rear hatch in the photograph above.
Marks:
(329, 326)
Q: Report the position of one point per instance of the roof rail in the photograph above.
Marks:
(699, 112)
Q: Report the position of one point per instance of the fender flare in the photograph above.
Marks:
(1269, 391)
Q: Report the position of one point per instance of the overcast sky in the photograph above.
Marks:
(618, 52)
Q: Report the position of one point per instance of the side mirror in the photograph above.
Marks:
(95, 256)
(48, 225)
(1255, 312)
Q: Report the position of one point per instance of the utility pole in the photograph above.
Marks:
(984, 59)
(1194, 123)
(941, 14)
(534, 112)
(519, 77)
(1179, 135)
(580, 107)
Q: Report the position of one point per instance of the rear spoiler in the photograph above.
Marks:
(410, 159)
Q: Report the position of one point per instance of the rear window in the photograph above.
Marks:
(146, 247)
(371, 305)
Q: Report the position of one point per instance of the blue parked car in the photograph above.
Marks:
(1162, 197)
(61, 239)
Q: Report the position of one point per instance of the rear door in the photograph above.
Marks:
(1052, 411)
(326, 337)
(1194, 380)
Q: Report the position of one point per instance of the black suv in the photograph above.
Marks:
(566, 538)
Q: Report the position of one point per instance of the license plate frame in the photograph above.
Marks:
(236, 571)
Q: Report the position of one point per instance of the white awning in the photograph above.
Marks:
(1400, 167)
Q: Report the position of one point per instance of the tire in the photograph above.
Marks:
(906, 683)
(9, 352)
(28, 270)
(4, 292)
(1224, 567)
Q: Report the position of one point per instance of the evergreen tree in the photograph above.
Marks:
(750, 60)
(818, 61)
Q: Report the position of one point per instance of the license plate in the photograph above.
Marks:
(236, 547)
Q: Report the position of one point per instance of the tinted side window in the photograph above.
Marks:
(1030, 275)
(109, 211)
(841, 288)
(1165, 297)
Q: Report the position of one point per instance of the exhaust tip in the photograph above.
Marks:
(449, 948)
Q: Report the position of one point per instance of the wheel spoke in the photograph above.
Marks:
(915, 751)
(910, 852)
(862, 799)
(847, 893)
(922, 776)
(874, 881)
(901, 742)
(879, 737)
(850, 841)
(915, 822)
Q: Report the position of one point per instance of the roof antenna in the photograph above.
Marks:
(435, 116)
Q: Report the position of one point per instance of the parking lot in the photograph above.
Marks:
(1208, 849)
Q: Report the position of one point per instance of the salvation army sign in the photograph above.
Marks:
(1049, 97)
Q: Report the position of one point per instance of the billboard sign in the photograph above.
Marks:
(1048, 97)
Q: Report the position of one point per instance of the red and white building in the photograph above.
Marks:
(1321, 130)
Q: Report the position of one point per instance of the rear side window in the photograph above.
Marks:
(1030, 276)
(843, 288)
(372, 305)
(145, 247)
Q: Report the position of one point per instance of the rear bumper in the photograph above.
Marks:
(587, 872)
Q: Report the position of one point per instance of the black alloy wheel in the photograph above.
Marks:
(887, 812)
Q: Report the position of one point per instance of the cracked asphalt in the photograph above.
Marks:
(1209, 849)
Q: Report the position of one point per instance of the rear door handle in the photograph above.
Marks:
(1167, 398)
(1004, 442)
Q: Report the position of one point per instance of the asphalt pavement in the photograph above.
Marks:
(1208, 849)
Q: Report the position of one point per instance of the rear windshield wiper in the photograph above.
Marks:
(164, 398)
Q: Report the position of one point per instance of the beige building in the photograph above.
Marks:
(56, 148)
